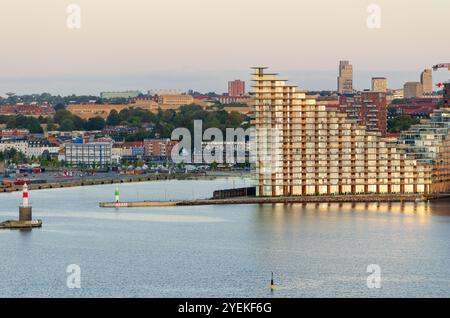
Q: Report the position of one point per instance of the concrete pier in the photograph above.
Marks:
(273, 200)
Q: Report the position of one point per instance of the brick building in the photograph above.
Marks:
(368, 109)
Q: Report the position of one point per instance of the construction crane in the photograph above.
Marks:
(442, 65)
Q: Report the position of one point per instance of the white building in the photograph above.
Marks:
(20, 145)
(36, 148)
(96, 154)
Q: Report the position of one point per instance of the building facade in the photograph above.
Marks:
(307, 149)
(429, 142)
(94, 154)
(413, 90)
(236, 88)
(174, 101)
(426, 79)
(159, 148)
(345, 78)
(20, 145)
(37, 148)
(379, 84)
(367, 108)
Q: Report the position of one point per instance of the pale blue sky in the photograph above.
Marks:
(200, 44)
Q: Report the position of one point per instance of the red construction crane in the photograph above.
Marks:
(443, 65)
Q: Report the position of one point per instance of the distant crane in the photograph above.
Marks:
(439, 66)
(442, 65)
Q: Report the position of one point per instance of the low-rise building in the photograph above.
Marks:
(87, 111)
(133, 149)
(16, 133)
(174, 101)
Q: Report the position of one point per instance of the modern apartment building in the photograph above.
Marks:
(93, 154)
(236, 88)
(426, 79)
(366, 108)
(379, 84)
(306, 149)
(429, 142)
(412, 90)
(345, 78)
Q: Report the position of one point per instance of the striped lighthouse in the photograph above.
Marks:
(116, 195)
(25, 210)
(25, 195)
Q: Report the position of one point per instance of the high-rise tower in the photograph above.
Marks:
(345, 79)
(426, 79)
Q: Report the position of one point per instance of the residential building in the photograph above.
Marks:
(159, 148)
(124, 94)
(44, 110)
(345, 79)
(174, 101)
(379, 84)
(418, 107)
(236, 88)
(429, 143)
(38, 147)
(307, 149)
(94, 154)
(413, 90)
(133, 149)
(426, 79)
(14, 133)
(19, 144)
(87, 111)
(367, 108)
(330, 102)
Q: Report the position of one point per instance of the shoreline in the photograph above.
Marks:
(126, 179)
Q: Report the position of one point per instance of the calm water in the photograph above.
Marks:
(221, 251)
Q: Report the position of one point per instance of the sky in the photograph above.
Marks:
(201, 44)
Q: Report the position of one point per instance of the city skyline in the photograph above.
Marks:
(124, 45)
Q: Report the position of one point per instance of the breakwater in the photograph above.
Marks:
(273, 200)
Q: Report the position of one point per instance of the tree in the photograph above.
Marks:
(67, 125)
(113, 118)
(60, 106)
(95, 123)
(60, 115)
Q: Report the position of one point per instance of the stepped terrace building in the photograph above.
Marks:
(307, 149)
(429, 143)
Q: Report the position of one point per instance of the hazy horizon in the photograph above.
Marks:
(201, 44)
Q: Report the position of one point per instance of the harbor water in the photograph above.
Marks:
(314, 250)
